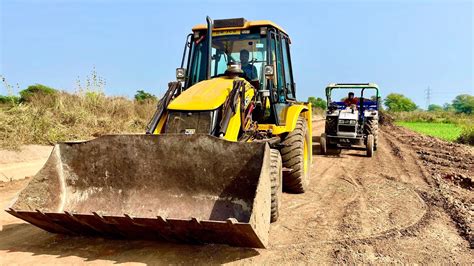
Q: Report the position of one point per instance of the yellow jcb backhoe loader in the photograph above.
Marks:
(225, 139)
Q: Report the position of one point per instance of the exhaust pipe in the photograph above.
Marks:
(209, 43)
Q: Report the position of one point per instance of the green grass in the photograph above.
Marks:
(445, 131)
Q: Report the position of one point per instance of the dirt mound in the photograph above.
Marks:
(450, 169)
(385, 119)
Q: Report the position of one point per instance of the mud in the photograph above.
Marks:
(411, 203)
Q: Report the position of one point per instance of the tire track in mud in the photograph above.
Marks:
(347, 189)
(352, 220)
(448, 169)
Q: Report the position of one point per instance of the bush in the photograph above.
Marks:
(433, 117)
(47, 120)
(36, 90)
(317, 102)
(448, 107)
(399, 103)
(435, 108)
(9, 99)
(142, 96)
(467, 135)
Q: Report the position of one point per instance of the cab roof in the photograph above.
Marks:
(352, 85)
(247, 25)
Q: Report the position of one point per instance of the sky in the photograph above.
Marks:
(404, 46)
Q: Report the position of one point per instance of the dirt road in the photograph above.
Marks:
(412, 202)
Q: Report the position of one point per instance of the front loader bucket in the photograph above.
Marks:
(193, 189)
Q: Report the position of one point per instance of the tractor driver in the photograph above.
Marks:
(250, 71)
(350, 100)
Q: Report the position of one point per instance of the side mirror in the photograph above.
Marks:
(269, 72)
(181, 74)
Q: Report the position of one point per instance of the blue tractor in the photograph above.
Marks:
(353, 122)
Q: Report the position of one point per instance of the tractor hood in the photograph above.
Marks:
(205, 95)
(347, 114)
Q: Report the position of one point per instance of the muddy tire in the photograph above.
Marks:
(372, 128)
(276, 177)
(322, 144)
(370, 145)
(296, 157)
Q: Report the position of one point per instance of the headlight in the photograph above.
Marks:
(180, 74)
(347, 122)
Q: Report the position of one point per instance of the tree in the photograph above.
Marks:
(36, 89)
(317, 102)
(464, 103)
(399, 103)
(448, 107)
(142, 96)
(434, 108)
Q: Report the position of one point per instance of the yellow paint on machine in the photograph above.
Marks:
(226, 32)
(292, 114)
(205, 95)
(210, 95)
(248, 24)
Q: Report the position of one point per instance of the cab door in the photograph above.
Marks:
(283, 93)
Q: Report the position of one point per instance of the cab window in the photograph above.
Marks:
(287, 66)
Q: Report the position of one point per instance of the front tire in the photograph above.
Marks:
(296, 156)
(372, 128)
(276, 183)
(370, 145)
(322, 144)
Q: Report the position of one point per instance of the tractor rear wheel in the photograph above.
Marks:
(297, 158)
(370, 145)
(276, 183)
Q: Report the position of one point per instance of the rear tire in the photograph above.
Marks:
(370, 145)
(296, 156)
(372, 128)
(322, 144)
(276, 183)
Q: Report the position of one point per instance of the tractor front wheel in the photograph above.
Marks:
(370, 145)
(322, 144)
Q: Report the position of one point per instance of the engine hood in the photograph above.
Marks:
(349, 115)
(205, 95)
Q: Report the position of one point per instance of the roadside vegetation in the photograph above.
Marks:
(445, 131)
(318, 105)
(452, 122)
(44, 115)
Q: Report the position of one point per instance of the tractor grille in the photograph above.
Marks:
(346, 128)
(331, 125)
(190, 122)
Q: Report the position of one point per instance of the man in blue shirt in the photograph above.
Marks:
(250, 71)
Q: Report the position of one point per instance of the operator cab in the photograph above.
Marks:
(366, 96)
(258, 51)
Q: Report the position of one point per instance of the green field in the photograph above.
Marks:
(445, 131)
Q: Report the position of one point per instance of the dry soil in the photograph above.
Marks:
(412, 202)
